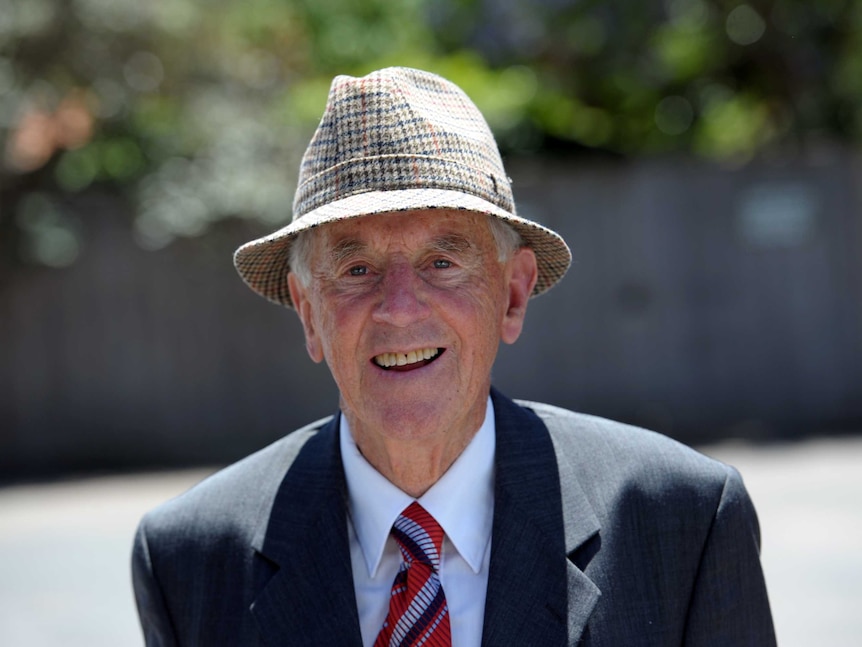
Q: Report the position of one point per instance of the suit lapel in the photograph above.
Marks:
(535, 594)
(310, 599)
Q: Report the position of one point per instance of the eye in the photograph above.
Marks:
(442, 264)
(358, 270)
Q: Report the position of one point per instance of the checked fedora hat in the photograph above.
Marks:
(396, 140)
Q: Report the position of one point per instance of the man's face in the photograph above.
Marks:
(408, 310)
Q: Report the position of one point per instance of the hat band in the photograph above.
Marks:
(397, 172)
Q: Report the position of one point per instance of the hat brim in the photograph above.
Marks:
(264, 263)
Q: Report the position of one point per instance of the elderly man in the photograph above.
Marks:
(432, 509)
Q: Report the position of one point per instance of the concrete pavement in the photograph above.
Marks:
(809, 501)
(64, 547)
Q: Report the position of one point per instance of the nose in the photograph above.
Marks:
(402, 299)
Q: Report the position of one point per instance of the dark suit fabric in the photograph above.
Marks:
(604, 536)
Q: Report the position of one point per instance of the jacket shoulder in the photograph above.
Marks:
(229, 498)
(197, 561)
(604, 450)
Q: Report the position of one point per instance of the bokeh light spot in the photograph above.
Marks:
(674, 115)
(50, 238)
(77, 169)
(144, 72)
(744, 25)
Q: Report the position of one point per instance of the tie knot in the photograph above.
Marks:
(419, 536)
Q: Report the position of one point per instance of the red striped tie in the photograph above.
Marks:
(418, 613)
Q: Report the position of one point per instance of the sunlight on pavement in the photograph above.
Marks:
(65, 547)
(809, 500)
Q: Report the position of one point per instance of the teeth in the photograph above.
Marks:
(388, 360)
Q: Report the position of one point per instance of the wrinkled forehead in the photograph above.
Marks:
(445, 230)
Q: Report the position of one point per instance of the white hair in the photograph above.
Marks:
(507, 240)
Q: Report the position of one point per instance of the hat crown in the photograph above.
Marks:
(397, 140)
(395, 129)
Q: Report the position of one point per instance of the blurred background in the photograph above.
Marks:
(701, 157)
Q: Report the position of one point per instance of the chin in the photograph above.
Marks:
(414, 419)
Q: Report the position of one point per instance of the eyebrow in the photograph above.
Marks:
(449, 243)
(452, 243)
(345, 249)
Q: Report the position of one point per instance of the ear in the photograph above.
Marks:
(523, 274)
(299, 296)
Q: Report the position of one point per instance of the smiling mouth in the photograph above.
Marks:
(407, 361)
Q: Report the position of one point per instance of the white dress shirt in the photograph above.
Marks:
(462, 502)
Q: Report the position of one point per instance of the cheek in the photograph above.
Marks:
(478, 314)
(340, 335)
(491, 302)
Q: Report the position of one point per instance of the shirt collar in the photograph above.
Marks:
(462, 500)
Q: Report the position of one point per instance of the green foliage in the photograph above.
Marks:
(200, 110)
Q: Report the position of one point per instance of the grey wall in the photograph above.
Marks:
(703, 301)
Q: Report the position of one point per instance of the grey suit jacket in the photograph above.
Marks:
(604, 536)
